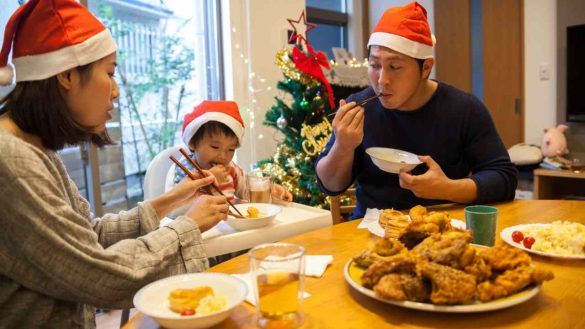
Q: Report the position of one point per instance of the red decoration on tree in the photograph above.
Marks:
(296, 35)
(311, 65)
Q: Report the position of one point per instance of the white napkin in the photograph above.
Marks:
(370, 222)
(315, 265)
(250, 298)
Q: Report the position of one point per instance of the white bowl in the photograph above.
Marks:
(392, 160)
(152, 299)
(242, 224)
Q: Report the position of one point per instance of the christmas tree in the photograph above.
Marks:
(303, 121)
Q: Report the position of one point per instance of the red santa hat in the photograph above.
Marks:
(50, 37)
(226, 112)
(406, 30)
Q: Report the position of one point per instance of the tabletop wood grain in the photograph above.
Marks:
(334, 304)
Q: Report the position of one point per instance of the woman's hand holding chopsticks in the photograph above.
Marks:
(205, 209)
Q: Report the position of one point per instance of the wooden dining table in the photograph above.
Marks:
(334, 304)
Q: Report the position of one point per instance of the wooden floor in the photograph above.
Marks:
(111, 319)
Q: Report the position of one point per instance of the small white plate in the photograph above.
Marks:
(506, 235)
(152, 299)
(241, 224)
(350, 271)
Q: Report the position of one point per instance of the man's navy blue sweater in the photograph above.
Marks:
(453, 127)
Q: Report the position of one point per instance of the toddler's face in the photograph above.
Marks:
(216, 149)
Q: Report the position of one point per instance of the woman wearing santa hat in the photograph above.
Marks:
(58, 263)
(464, 158)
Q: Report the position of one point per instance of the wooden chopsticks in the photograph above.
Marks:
(196, 165)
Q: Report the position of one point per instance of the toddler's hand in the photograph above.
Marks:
(220, 173)
(278, 191)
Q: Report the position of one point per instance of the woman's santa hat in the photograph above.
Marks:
(50, 37)
(226, 112)
(406, 30)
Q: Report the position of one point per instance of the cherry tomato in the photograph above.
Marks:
(188, 311)
(528, 242)
(517, 236)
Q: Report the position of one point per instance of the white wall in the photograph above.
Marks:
(254, 31)
(540, 45)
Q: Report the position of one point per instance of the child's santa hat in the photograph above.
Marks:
(50, 37)
(226, 112)
(406, 30)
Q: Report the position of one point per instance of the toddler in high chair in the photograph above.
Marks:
(213, 131)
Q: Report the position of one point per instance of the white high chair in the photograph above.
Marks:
(158, 177)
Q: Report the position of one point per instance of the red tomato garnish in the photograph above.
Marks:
(188, 311)
(517, 236)
(528, 242)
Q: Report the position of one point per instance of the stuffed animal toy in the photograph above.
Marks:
(554, 142)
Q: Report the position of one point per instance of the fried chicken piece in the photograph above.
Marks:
(417, 213)
(449, 286)
(441, 219)
(402, 287)
(449, 248)
(503, 257)
(380, 251)
(388, 247)
(511, 281)
(479, 268)
(423, 227)
(401, 263)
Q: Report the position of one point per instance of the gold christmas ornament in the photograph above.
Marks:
(316, 137)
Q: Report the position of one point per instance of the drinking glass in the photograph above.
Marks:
(260, 186)
(277, 272)
(482, 220)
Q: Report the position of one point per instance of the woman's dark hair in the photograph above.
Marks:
(212, 128)
(38, 108)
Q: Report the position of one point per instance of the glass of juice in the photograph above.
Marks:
(260, 186)
(277, 272)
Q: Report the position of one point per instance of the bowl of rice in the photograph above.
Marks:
(195, 300)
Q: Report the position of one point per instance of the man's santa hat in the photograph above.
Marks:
(50, 37)
(406, 30)
(226, 112)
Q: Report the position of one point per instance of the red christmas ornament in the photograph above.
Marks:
(311, 65)
(296, 35)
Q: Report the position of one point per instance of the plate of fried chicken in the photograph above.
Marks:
(443, 272)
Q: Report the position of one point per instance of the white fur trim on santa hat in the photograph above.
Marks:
(43, 66)
(224, 118)
(401, 44)
(6, 75)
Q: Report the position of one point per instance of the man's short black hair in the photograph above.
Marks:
(39, 108)
(212, 128)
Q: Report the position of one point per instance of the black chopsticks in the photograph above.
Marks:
(362, 103)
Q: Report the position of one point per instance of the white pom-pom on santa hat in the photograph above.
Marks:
(6, 75)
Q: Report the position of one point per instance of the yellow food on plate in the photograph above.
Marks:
(200, 300)
(253, 212)
(561, 238)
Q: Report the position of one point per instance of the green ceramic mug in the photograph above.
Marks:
(482, 221)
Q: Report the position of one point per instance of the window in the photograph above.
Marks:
(331, 19)
(162, 73)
